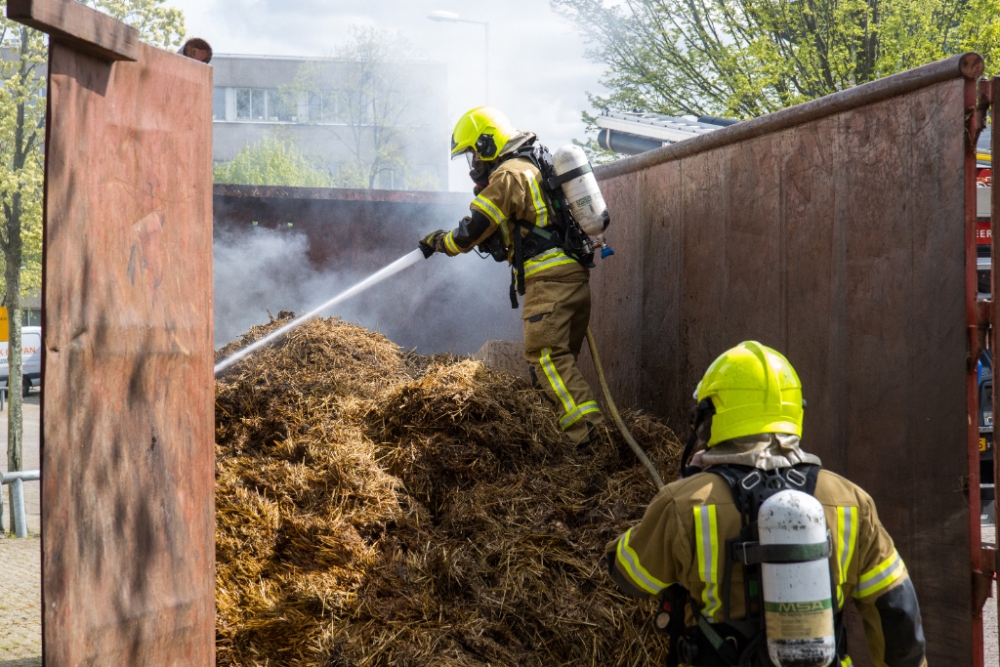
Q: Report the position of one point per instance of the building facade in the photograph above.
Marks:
(383, 124)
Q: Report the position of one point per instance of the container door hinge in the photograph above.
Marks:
(982, 580)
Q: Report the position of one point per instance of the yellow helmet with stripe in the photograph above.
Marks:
(754, 389)
(483, 131)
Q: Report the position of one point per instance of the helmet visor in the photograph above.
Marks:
(468, 151)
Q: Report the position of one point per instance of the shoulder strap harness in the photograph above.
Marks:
(564, 232)
(750, 488)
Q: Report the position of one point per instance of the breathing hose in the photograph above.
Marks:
(650, 468)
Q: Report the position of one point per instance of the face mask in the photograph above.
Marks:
(479, 171)
(701, 428)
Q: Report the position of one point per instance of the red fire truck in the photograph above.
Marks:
(984, 238)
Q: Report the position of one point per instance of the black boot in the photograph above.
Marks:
(585, 445)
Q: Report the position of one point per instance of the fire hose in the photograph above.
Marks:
(613, 409)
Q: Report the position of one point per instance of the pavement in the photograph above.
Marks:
(21, 560)
(991, 649)
(21, 604)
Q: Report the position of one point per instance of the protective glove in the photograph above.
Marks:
(433, 242)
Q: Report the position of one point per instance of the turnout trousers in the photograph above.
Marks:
(556, 315)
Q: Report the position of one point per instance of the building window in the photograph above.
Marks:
(281, 107)
(388, 179)
(326, 106)
(250, 104)
(219, 104)
(265, 104)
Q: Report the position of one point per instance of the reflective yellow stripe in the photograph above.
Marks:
(547, 260)
(573, 417)
(505, 233)
(489, 209)
(449, 243)
(847, 539)
(569, 405)
(547, 255)
(629, 561)
(882, 575)
(541, 211)
(707, 537)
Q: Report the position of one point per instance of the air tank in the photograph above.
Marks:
(798, 606)
(583, 195)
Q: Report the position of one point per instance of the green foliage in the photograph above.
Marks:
(272, 161)
(22, 173)
(160, 26)
(368, 97)
(746, 58)
(22, 125)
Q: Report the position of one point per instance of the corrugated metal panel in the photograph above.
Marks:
(128, 419)
(838, 237)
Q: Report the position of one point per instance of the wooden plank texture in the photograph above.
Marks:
(128, 409)
(841, 242)
(78, 26)
(619, 280)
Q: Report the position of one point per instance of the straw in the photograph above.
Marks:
(377, 507)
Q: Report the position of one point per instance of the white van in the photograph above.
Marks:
(31, 358)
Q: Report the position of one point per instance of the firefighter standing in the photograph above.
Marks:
(512, 219)
(686, 548)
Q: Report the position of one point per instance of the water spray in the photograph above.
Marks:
(394, 268)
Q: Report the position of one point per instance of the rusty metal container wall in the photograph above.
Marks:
(127, 412)
(617, 302)
(840, 241)
(341, 236)
(345, 228)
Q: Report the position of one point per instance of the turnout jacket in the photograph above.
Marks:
(682, 536)
(514, 193)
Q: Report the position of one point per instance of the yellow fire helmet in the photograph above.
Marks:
(484, 131)
(754, 390)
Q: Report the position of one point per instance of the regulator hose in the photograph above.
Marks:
(640, 454)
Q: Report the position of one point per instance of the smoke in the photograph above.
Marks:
(439, 305)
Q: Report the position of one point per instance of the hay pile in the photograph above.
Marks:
(380, 508)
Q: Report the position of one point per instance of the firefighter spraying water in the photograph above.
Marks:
(537, 213)
(541, 214)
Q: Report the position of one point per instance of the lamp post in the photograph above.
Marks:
(452, 17)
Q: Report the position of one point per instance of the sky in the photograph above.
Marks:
(539, 75)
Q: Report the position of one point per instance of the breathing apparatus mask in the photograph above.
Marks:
(479, 171)
(701, 428)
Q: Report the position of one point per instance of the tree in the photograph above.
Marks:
(157, 25)
(22, 127)
(746, 58)
(22, 132)
(272, 161)
(364, 97)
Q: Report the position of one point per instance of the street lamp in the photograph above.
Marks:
(452, 17)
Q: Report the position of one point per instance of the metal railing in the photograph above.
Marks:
(16, 481)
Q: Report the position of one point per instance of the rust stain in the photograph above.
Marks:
(840, 241)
